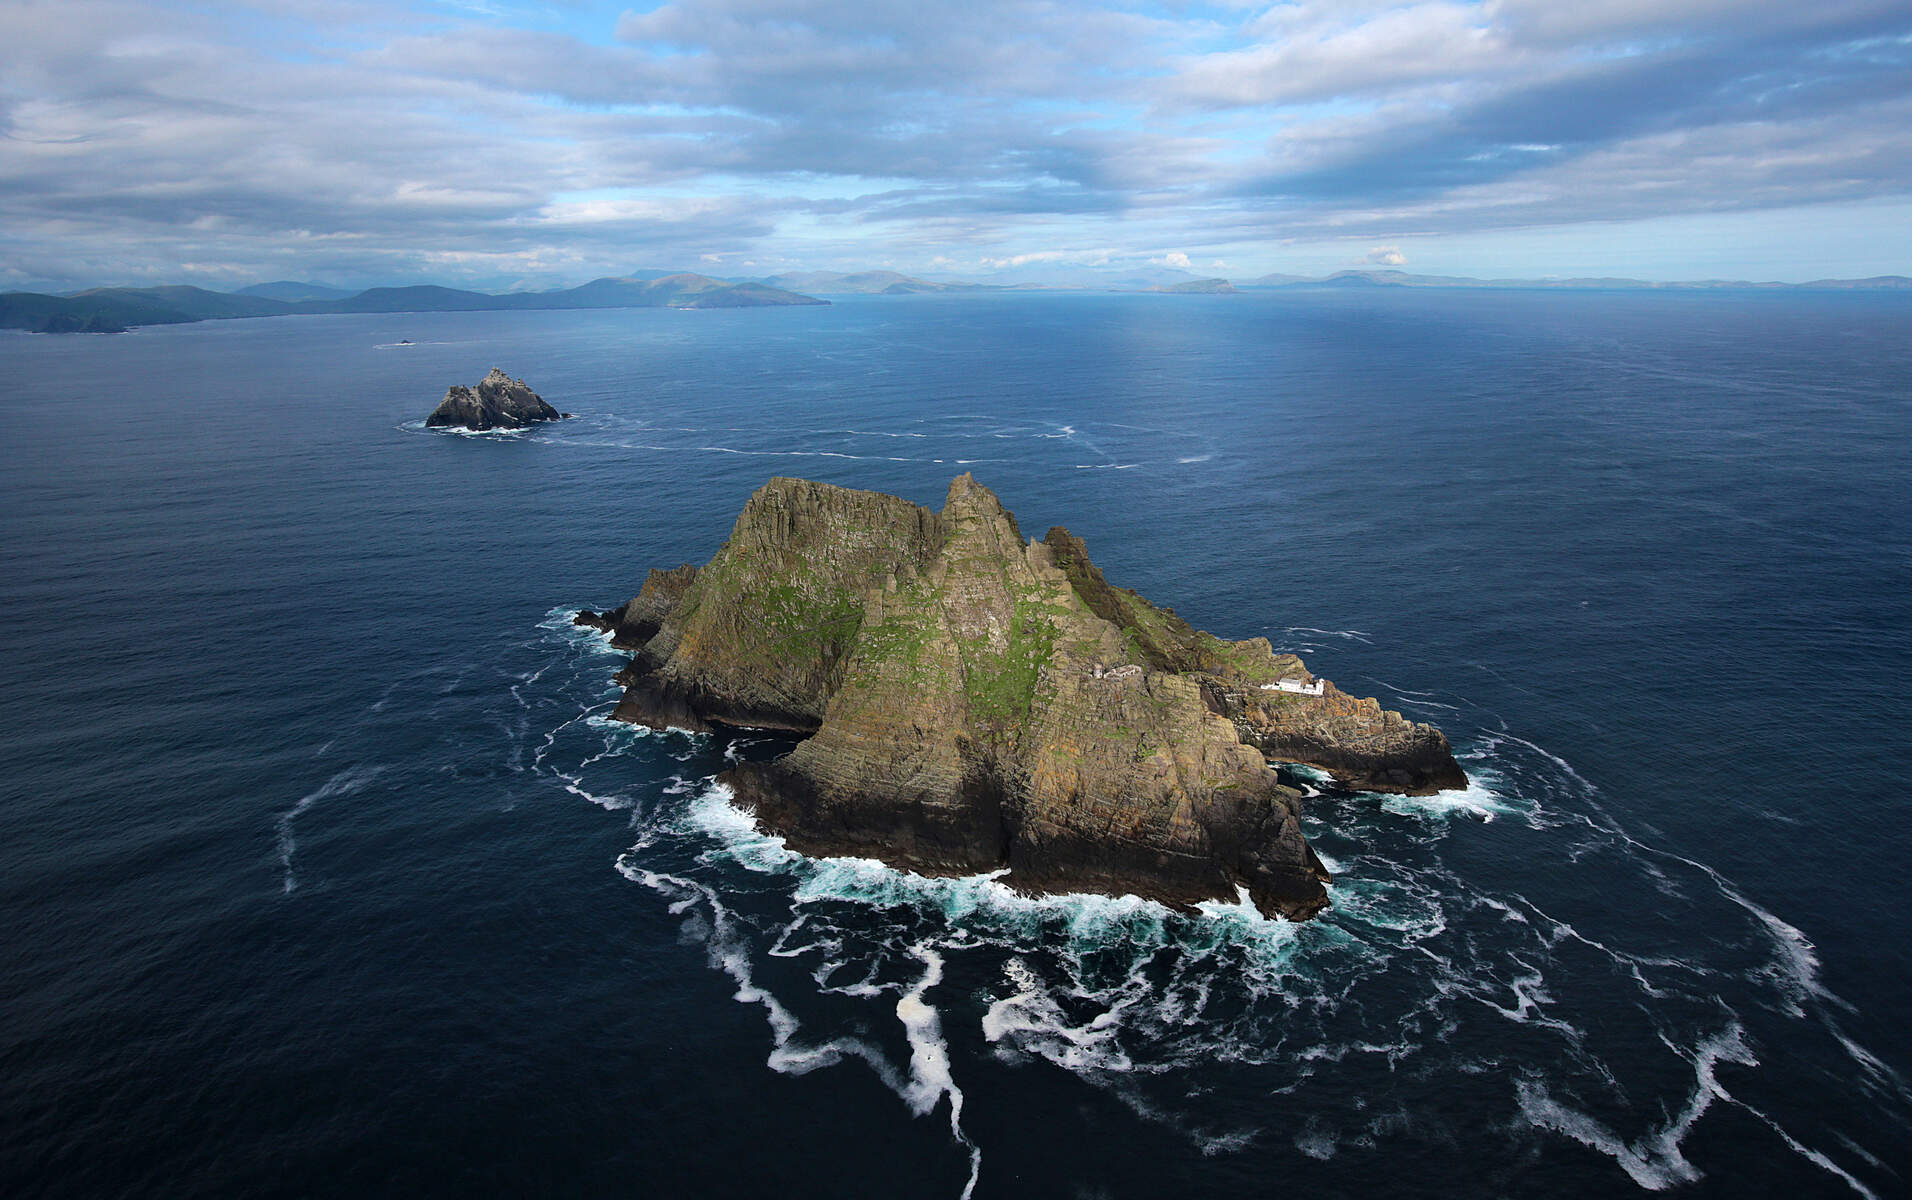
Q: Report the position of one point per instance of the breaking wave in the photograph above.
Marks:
(1588, 1030)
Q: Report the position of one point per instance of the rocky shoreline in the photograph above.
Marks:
(498, 402)
(972, 700)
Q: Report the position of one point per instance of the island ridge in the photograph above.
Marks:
(973, 701)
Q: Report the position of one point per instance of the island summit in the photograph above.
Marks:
(971, 701)
(498, 402)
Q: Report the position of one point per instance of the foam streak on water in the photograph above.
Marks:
(1592, 536)
(1139, 1002)
(928, 1080)
(1654, 1161)
(344, 783)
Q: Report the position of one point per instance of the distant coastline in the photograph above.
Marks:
(1174, 281)
(116, 309)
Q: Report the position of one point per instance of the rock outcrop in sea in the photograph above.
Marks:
(498, 402)
(971, 701)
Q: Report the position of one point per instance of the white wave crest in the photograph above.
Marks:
(1139, 1001)
(1478, 800)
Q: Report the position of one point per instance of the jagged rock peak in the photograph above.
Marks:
(969, 500)
(498, 402)
(973, 702)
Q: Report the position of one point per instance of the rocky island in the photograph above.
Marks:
(498, 402)
(971, 701)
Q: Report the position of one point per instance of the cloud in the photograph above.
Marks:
(1315, 52)
(1387, 256)
(1084, 258)
(498, 142)
(1175, 258)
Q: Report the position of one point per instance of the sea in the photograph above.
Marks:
(323, 872)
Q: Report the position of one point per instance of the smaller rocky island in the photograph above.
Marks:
(498, 402)
(971, 700)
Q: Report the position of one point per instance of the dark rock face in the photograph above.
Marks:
(976, 701)
(637, 620)
(498, 402)
(1364, 747)
(643, 615)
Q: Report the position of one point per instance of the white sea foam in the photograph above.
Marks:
(1132, 997)
(1816, 1157)
(1555, 759)
(497, 435)
(1030, 1021)
(727, 952)
(1654, 1160)
(1399, 691)
(1242, 908)
(1795, 967)
(1351, 634)
(343, 783)
(638, 733)
(870, 882)
(1305, 771)
(930, 1079)
(1400, 907)
(560, 621)
(981, 910)
(1315, 1142)
(575, 785)
(1477, 800)
(1507, 911)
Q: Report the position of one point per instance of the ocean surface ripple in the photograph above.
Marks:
(1419, 976)
(325, 872)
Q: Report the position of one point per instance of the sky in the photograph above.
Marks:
(534, 143)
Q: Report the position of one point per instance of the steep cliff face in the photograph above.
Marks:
(976, 701)
(635, 622)
(498, 402)
(1363, 746)
(757, 636)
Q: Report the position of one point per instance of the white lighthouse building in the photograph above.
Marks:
(1297, 686)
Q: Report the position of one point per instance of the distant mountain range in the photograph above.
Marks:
(293, 293)
(113, 310)
(1358, 279)
(1198, 287)
(1176, 281)
(867, 283)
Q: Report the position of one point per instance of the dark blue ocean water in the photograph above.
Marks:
(321, 873)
